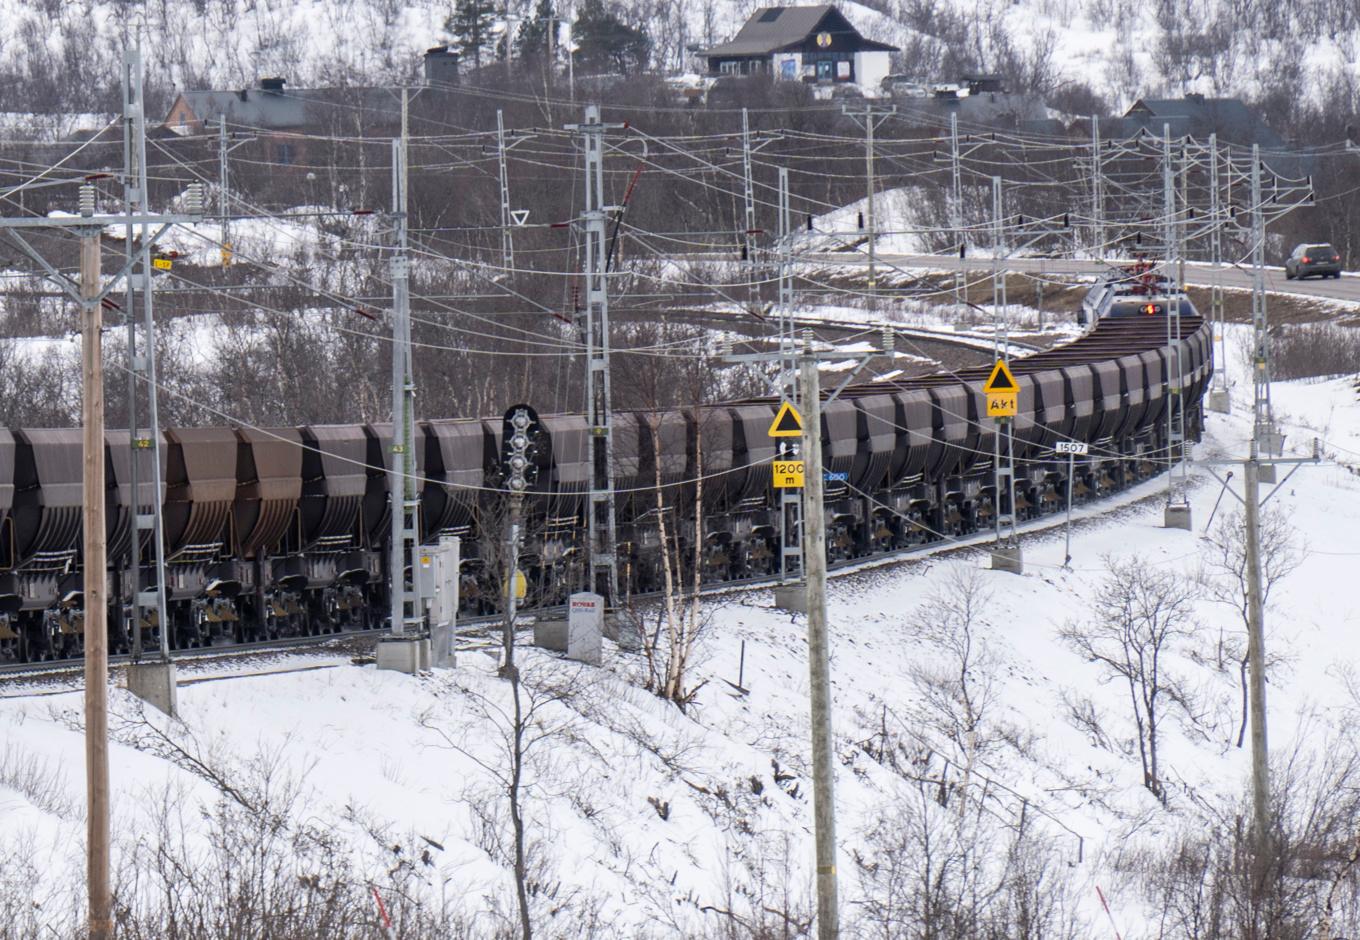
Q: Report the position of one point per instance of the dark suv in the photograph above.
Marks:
(1321, 260)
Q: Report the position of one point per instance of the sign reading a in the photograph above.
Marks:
(1076, 448)
(1003, 392)
(787, 423)
(788, 474)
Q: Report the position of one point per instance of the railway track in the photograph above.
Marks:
(280, 532)
(475, 631)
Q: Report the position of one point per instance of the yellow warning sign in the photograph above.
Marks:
(788, 474)
(521, 584)
(1003, 392)
(1001, 379)
(162, 264)
(1003, 404)
(788, 423)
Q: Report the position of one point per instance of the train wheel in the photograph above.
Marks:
(33, 646)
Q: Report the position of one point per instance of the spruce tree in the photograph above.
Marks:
(470, 26)
(605, 43)
(532, 40)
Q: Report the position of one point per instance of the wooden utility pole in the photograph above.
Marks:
(96, 590)
(819, 654)
(1256, 655)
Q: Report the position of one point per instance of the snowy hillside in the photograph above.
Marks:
(1120, 49)
(644, 821)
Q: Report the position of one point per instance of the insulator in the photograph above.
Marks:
(889, 339)
(725, 345)
(193, 199)
(87, 200)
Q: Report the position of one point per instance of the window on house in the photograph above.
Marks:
(729, 68)
(283, 154)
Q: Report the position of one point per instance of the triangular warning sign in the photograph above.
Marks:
(1001, 379)
(520, 216)
(788, 423)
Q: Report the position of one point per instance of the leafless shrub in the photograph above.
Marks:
(508, 827)
(1223, 578)
(1209, 883)
(1143, 616)
(40, 781)
(40, 896)
(958, 682)
(1314, 349)
(926, 872)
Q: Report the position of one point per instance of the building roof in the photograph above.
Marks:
(773, 29)
(1199, 116)
(986, 109)
(279, 109)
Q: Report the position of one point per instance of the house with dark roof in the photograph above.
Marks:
(814, 44)
(281, 117)
(978, 101)
(1198, 116)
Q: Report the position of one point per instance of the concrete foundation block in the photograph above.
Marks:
(585, 627)
(551, 635)
(154, 683)
(408, 654)
(1177, 517)
(791, 597)
(623, 630)
(441, 646)
(1219, 402)
(1008, 558)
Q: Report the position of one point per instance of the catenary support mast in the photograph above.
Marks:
(145, 458)
(600, 517)
(402, 477)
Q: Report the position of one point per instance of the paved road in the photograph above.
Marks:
(1346, 288)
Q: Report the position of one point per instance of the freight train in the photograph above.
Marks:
(276, 532)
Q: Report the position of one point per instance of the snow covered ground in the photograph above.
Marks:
(657, 820)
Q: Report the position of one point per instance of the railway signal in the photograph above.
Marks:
(520, 431)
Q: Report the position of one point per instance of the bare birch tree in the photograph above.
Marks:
(1142, 617)
(1224, 580)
